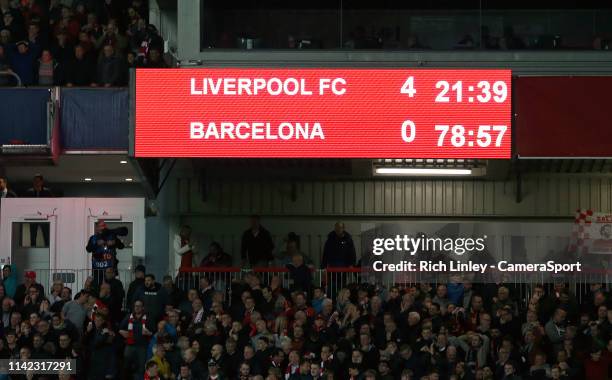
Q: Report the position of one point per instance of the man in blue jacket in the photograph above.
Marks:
(23, 63)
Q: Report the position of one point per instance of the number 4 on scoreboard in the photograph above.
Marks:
(408, 87)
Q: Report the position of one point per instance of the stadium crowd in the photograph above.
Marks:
(76, 42)
(248, 328)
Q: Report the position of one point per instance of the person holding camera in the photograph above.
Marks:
(104, 245)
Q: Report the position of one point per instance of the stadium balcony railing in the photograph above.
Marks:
(332, 280)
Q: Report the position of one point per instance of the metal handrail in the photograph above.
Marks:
(12, 74)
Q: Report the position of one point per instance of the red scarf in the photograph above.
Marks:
(130, 339)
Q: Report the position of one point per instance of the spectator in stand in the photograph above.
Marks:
(153, 297)
(36, 41)
(55, 11)
(62, 49)
(339, 250)
(137, 32)
(9, 281)
(65, 297)
(99, 340)
(136, 331)
(55, 295)
(76, 311)
(5, 192)
(155, 59)
(5, 39)
(257, 245)
(112, 37)
(23, 63)
(136, 284)
(185, 248)
(10, 23)
(117, 294)
(29, 280)
(196, 368)
(38, 189)
(175, 295)
(6, 79)
(159, 358)
(300, 275)
(109, 68)
(292, 247)
(216, 257)
(49, 72)
(68, 25)
(92, 27)
(81, 70)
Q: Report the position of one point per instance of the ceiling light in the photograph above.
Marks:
(88, 179)
(423, 171)
(128, 180)
(123, 162)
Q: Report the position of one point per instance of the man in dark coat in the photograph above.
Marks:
(109, 68)
(5, 192)
(81, 70)
(339, 250)
(134, 288)
(154, 298)
(257, 245)
(23, 63)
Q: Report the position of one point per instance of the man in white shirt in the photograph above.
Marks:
(184, 252)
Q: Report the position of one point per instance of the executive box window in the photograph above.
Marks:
(406, 25)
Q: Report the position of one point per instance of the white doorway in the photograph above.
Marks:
(31, 243)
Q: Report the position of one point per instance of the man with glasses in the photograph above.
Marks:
(29, 280)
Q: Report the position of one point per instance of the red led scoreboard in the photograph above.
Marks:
(323, 113)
